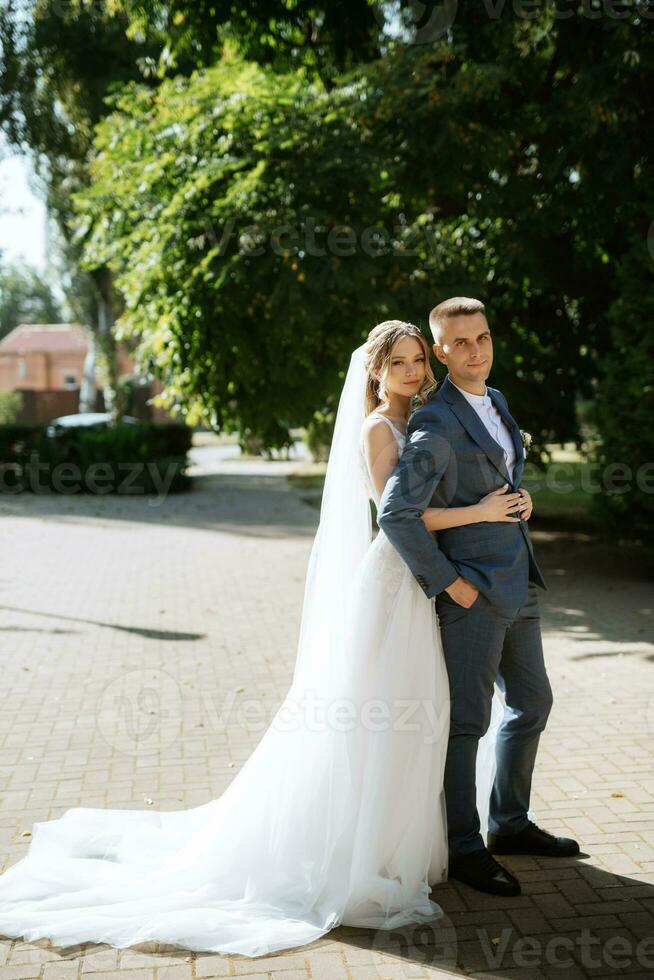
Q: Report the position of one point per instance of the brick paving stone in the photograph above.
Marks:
(206, 590)
(63, 970)
(24, 971)
(212, 966)
(102, 960)
(181, 971)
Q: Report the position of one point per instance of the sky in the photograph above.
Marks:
(22, 214)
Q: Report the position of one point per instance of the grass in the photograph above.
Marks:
(563, 493)
(306, 481)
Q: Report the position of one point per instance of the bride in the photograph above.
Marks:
(338, 815)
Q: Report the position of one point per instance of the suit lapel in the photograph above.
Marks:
(515, 436)
(478, 431)
(474, 426)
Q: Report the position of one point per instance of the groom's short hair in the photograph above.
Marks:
(456, 306)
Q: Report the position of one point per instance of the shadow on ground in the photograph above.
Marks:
(150, 634)
(572, 919)
(251, 506)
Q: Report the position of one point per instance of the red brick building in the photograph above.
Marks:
(45, 362)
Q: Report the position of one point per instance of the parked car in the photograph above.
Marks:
(97, 420)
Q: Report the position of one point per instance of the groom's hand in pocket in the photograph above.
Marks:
(463, 592)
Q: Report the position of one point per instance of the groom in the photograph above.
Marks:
(462, 444)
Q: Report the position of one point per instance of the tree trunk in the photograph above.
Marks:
(88, 388)
(105, 344)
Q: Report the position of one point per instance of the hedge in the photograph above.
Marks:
(148, 458)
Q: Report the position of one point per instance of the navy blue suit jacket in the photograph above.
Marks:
(451, 460)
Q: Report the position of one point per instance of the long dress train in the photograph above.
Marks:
(336, 817)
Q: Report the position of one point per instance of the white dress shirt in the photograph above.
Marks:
(494, 423)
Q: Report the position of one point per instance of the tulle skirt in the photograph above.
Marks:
(337, 816)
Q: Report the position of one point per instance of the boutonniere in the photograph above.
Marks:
(526, 440)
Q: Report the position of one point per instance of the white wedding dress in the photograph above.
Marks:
(337, 816)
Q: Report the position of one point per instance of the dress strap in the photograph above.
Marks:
(393, 427)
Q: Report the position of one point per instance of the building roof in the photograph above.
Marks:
(48, 338)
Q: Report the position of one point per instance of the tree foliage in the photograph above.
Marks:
(25, 297)
(481, 159)
(319, 40)
(202, 215)
(58, 64)
(509, 158)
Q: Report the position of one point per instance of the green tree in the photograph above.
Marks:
(246, 329)
(11, 403)
(239, 145)
(25, 297)
(507, 158)
(320, 40)
(58, 65)
(625, 401)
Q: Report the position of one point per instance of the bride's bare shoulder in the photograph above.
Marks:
(376, 432)
(374, 420)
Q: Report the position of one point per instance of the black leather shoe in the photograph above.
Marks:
(532, 840)
(481, 871)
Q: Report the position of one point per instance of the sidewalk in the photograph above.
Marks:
(201, 595)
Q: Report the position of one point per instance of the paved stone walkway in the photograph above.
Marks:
(199, 595)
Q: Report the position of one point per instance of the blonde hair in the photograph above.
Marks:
(456, 306)
(379, 348)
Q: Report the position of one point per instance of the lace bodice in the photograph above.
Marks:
(400, 438)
